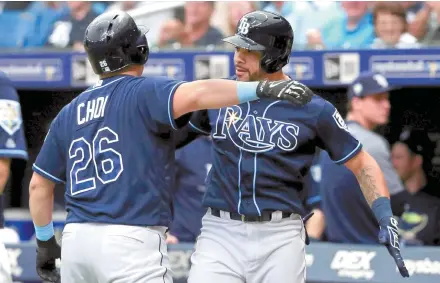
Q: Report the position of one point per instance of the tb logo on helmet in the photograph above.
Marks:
(243, 28)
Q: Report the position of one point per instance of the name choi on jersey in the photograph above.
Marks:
(92, 110)
(253, 133)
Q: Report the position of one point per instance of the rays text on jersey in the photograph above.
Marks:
(254, 133)
(93, 109)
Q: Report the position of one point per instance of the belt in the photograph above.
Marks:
(265, 215)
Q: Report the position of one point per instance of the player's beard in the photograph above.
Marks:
(257, 76)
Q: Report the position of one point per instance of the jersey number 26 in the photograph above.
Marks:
(107, 162)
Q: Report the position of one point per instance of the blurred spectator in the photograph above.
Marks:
(353, 30)
(348, 216)
(196, 29)
(411, 9)
(231, 11)
(425, 24)
(309, 17)
(312, 202)
(193, 163)
(411, 156)
(284, 8)
(391, 27)
(69, 30)
(39, 19)
(123, 5)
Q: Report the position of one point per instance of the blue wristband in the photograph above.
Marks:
(381, 208)
(247, 91)
(44, 233)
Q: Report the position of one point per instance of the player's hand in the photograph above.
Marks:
(47, 252)
(291, 90)
(388, 236)
(171, 239)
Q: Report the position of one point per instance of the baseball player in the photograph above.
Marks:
(12, 145)
(193, 162)
(113, 148)
(253, 231)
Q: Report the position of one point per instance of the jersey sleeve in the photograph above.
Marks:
(50, 162)
(156, 96)
(334, 136)
(12, 138)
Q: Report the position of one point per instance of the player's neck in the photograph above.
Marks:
(416, 182)
(278, 76)
(351, 116)
(134, 73)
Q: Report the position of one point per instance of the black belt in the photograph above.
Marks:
(265, 216)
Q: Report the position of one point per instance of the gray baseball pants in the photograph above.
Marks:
(233, 251)
(114, 253)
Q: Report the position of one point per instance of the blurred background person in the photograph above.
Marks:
(425, 24)
(391, 27)
(354, 29)
(411, 156)
(68, 32)
(124, 5)
(284, 8)
(194, 31)
(309, 17)
(227, 14)
(348, 217)
(12, 146)
(312, 203)
(38, 21)
(193, 163)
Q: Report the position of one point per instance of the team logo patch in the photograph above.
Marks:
(339, 120)
(10, 116)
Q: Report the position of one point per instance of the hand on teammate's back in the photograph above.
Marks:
(47, 252)
(388, 236)
(290, 90)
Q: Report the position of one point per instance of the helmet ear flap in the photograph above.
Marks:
(272, 65)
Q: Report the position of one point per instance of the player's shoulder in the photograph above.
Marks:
(317, 106)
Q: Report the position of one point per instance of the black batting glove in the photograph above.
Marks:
(388, 236)
(47, 252)
(290, 90)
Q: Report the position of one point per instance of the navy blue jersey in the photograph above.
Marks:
(263, 149)
(12, 139)
(193, 162)
(348, 216)
(113, 148)
(312, 184)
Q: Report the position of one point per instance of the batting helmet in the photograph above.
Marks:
(267, 32)
(113, 41)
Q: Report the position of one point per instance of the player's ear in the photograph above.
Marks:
(355, 103)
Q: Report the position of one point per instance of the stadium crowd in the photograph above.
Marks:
(317, 25)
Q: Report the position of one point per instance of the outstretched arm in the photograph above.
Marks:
(369, 176)
(218, 93)
(374, 188)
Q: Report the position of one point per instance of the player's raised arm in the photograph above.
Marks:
(217, 93)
